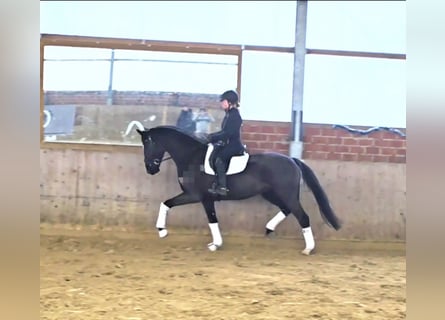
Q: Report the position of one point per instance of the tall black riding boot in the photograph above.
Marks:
(220, 187)
(220, 167)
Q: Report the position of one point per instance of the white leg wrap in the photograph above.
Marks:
(162, 220)
(272, 224)
(216, 236)
(309, 240)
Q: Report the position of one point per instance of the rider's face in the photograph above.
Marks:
(224, 104)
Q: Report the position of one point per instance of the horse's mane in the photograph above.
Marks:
(179, 131)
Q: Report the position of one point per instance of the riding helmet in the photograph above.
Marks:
(231, 97)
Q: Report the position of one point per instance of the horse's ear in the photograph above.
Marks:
(139, 131)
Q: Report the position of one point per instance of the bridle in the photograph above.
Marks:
(156, 161)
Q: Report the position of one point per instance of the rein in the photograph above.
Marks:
(168, 158)
(158, 162)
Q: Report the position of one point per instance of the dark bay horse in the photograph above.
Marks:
(275, 176)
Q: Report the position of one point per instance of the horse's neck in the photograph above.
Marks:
(181, 152)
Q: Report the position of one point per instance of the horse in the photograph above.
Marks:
(274, 176)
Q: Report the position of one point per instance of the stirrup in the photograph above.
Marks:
(212, 190)
(222, 191)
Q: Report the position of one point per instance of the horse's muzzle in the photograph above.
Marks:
(151, 169)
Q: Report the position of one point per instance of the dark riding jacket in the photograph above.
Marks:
(229, 135)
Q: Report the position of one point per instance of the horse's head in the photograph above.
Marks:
(153, 152)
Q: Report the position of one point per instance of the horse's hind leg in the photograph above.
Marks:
(280, 216)
(298, 211)
(217, 241)
(303, 220)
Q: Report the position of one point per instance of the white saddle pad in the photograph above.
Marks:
(236, 165)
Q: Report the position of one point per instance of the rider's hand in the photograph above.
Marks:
(219, 143)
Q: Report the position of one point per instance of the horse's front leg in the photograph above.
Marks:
(217, 241)
(180, 199)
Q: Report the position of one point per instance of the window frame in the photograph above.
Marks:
(166, 46)
(126, 44)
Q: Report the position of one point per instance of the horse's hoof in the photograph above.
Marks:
(269, 233)
(307, 251)
(163, 233)
(213, 247)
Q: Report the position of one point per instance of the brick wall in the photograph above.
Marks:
(136, 98)
(324, 142)
(321, 141)
(260, 136)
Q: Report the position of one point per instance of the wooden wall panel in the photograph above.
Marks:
(112, 188)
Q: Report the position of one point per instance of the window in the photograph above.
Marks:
(100, 95)
(354, 91)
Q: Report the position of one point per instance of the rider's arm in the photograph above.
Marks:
(231, 128)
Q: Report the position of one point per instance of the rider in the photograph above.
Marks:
(227, 141)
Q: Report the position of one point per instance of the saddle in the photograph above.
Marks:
(236, 165)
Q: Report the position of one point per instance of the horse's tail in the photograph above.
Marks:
(311, 180)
